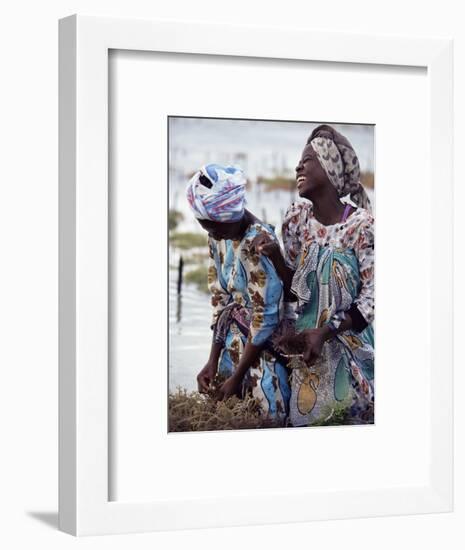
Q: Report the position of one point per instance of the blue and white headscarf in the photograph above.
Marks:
(224, 201)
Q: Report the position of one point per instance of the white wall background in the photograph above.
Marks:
(28, 273)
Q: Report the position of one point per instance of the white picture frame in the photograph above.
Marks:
(84, 505)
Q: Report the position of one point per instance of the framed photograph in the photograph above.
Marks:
(264, 191)
(236, 203)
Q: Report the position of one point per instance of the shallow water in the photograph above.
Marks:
(190, 334)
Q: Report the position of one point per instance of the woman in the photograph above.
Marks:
(246, 292)
(329, 270)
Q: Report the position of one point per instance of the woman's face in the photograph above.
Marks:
(219, 231)
(310, 175)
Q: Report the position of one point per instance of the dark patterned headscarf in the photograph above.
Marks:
(340, 162)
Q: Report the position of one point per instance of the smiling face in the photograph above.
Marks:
(310, 175)
(220, 231)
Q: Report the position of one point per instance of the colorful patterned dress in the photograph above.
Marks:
(334, 272)
(247, 300)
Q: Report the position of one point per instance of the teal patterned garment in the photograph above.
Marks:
(238, 276)
(333, 270)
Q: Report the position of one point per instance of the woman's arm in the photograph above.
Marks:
(219, 300)
(295, 223)
(232, 386)
(361, 312)
(265, 289)
(207, 374)
(363, 309)
(285, 272)
(315, 338)
(263, 244)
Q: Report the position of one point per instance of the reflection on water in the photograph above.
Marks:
(190, 334)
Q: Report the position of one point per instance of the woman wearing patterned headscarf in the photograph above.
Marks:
(328, 269)
(246, 292)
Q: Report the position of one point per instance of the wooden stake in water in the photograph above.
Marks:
(179, 296)
(180, 270)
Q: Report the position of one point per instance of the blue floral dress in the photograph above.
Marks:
(334, 273)
(246, 296)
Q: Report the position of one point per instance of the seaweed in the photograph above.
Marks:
(194, 412)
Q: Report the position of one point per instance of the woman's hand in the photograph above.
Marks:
(230, 387)
(314, 340)
(289, 342)
(206, 376)
(264, 244)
